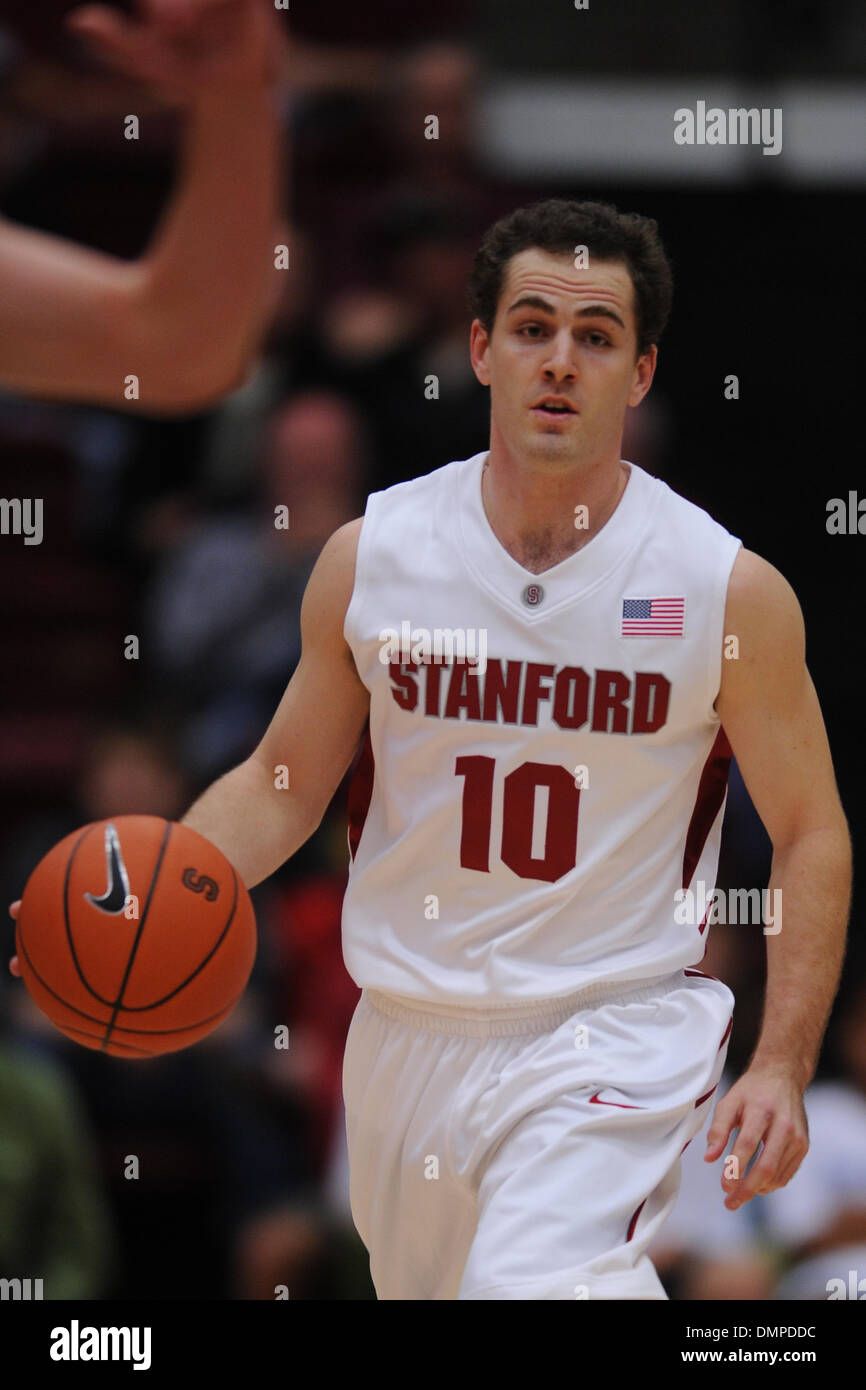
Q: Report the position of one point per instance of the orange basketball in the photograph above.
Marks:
(135, 936)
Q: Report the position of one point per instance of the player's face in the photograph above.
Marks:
(561, 360)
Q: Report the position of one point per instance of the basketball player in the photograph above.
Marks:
(534, 1045)
(185, 318)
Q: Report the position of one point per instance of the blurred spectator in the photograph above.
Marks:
(819, 1219)
(703, 1251)
(53, 1220)
(215, 1159)
(124, 771)
(224, 607)
(235, 430)
(648, 437)
(312, 987)
(131, 773)
(399, 346)
(440, 80)
(226, 1197)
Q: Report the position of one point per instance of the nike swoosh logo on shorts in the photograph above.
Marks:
(594, 1100)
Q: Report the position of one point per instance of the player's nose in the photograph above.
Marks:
(560, 364)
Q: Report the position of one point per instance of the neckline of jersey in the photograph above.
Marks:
(571, 577)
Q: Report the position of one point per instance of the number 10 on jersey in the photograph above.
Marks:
(520, 799)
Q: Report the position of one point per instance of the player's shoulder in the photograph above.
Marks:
(760, 594)
(416, 491)
(759, 597)
(695, 520)
(340, 550)
(400, 519)
(329, 588)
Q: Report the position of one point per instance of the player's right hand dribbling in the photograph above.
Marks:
(13, 964)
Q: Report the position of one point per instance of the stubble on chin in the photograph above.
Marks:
(552, 447)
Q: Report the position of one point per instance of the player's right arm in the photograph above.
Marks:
(251, 814)
(256, 821)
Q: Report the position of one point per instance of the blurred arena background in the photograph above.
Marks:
(162, 528)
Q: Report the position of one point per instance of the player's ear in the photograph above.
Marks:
(644, 371)
(479, 341)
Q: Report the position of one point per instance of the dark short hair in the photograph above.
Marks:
(560, 225)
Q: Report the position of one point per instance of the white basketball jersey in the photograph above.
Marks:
(543, 771)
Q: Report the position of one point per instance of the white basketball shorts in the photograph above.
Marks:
(527, 1153)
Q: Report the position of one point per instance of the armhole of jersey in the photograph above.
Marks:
(359, 588)
(730, 552)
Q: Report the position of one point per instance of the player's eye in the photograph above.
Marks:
(598, 339)
(530, 330)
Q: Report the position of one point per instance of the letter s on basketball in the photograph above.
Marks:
(200, 883)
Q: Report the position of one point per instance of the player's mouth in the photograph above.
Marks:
(555, 408)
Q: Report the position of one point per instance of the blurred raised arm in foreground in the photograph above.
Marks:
(185, 317)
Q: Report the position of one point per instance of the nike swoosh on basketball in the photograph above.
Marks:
(113, 900)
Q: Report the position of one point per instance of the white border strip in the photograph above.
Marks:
(551, 128)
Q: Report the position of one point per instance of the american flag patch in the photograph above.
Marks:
(653, 617)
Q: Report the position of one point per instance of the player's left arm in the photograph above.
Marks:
(769, 710)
